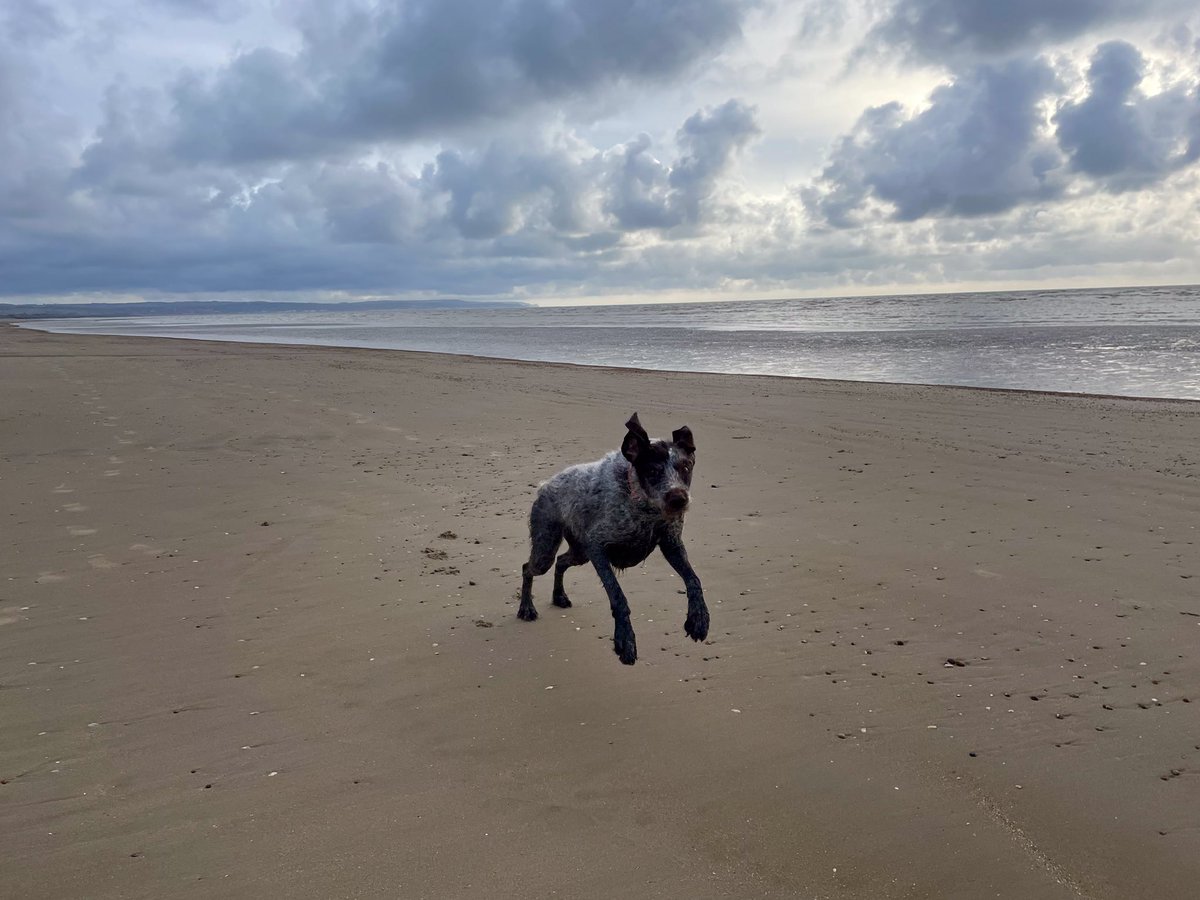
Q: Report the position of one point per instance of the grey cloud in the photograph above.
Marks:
(977, 149)
(524, 206)
(638, 189)
(123, 158)
(822, 20)
(646, 193)
(404, 70)
(1120, 136)
(573, 193)
(709, 139)
(220, 10)
(258, 108)
(949, 30)
(36, 141)
(31, 22)
(499, 190)
(368, 204)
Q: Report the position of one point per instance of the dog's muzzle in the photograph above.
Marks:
(675, 500)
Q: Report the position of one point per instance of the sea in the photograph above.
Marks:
(1140, 341)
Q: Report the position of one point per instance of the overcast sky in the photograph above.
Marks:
(559, 150)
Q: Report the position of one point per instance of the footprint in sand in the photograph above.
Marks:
(100, 561)
(74, 507)
(146, 549)
(80, 532)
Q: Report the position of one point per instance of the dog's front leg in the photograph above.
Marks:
(696, 623)
(624, 643)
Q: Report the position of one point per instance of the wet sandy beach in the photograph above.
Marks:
(258, 636)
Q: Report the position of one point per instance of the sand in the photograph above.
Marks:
(258, 636)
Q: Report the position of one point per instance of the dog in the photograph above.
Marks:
(613, 512)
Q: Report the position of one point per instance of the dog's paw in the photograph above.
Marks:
(527, 613)
(561, 601)
(625, 646)
(696, 624)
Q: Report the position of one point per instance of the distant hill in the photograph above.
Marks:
(224, 307)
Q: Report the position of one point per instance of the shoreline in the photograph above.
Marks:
(638, 369)
(258, 635)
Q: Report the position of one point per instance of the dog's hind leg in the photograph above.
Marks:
(573, 557)
(545, 536)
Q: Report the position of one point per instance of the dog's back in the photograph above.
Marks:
(591, 500)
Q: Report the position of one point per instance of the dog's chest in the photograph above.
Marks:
(632, 547)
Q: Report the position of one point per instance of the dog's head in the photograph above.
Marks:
(663, 468)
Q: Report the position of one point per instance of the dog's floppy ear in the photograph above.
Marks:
(682, 438)
(636, 439)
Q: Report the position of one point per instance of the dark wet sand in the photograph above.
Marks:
(257, 636)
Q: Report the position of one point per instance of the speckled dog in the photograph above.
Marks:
(613, 513)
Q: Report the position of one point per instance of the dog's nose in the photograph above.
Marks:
(676, 499)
